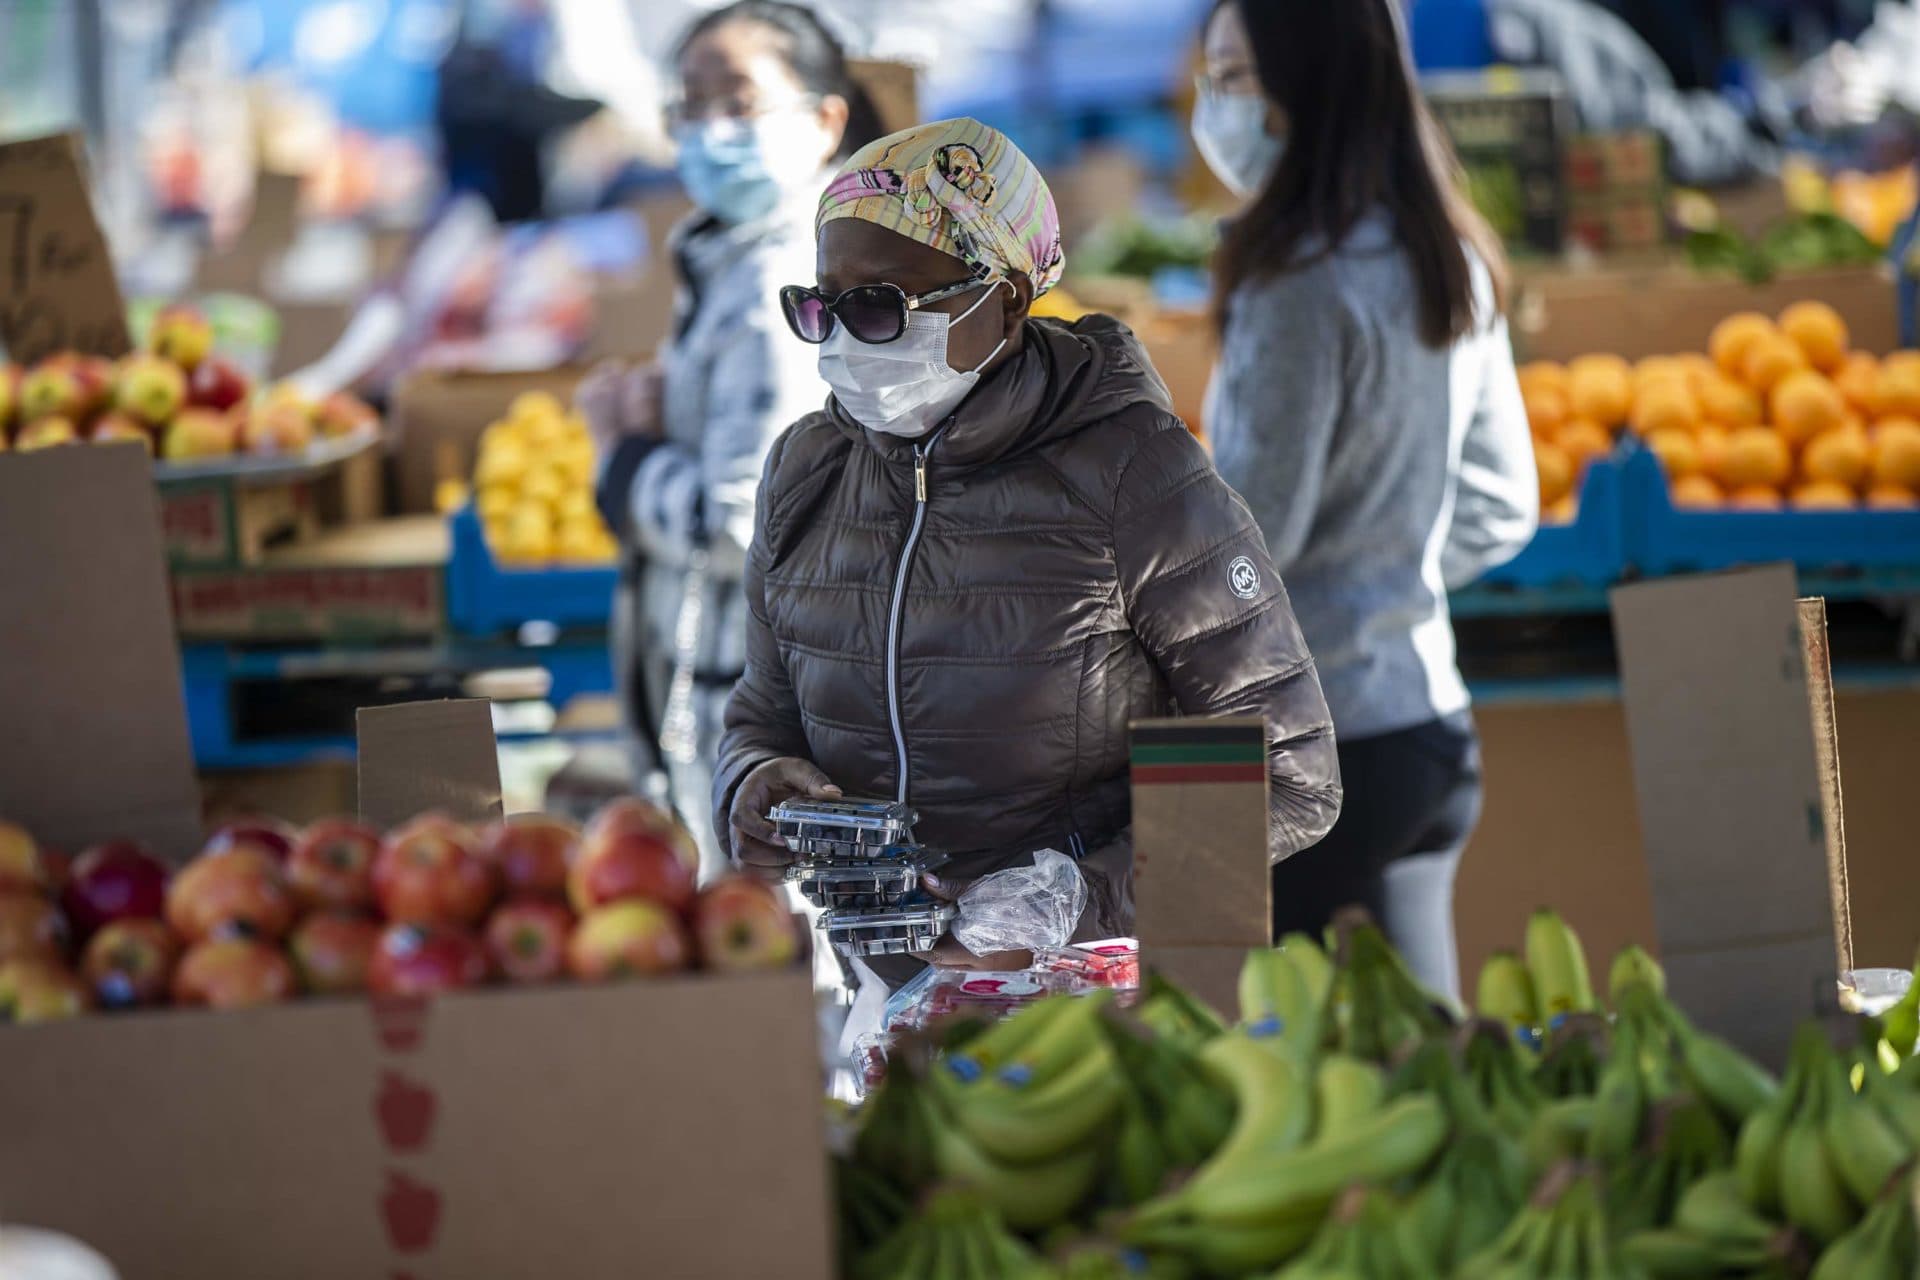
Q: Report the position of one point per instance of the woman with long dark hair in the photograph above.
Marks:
(766, 107)
(1365, 406)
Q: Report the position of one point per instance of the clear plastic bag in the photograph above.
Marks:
(1022, 908)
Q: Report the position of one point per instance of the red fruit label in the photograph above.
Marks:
(405, 1110)
(412, 1213)
(400, 1021)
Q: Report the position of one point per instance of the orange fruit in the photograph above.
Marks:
(1822, 495)
(1757, 497)
(1601, 388)
(1731, 337)
(1895, 453)
(1891, 497)
(1546, 409)
(1841, 457)
(1656, 368)
(1897, 390)
(1695, 493)
(1696, 367)
(1804, 405)
(1561, 512)
(1584, 440)
(1543, 375)
(1678, 454)
(1755, 458)
(1711, 441)
(1857, 379)
(1556, 471)
(1665, 404)
(1729, 403)
(1819, 331)
(1770, 358)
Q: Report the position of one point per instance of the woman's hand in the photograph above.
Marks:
(619, 402)
(949, 953)
(757, 846)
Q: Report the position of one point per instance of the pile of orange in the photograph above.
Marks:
(1776, 413)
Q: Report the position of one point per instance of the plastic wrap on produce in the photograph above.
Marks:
(1022, 908)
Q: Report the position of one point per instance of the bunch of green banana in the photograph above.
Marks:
(868, 1205)
(1715, 1233)
(1900, 1025)
(1174, 1013)
(956, 1236)
(1359, 1241)
(1897, 1094)
(1819, 1152)
(1378, 1010)
(1634, 967)
(1569, 1067)
(1558, 964)
(1561, 1234)
(897, 1128)
(1619, 1100)
(1098, 1260)
(1685, 1142)
(1882, 1247)
(1505, 994)
(1734, 1084)
(1191, 1111)
(1496, 1068)
(1283, 993)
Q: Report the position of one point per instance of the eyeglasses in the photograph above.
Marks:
(683, 113)
(1231, 81)
(873, 313)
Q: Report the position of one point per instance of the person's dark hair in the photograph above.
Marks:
(1360, 138)
(812, 54)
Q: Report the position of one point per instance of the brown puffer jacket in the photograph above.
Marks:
(1075, 563)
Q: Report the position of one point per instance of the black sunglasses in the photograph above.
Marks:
(873, 313)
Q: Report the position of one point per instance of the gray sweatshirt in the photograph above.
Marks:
(1382, 471)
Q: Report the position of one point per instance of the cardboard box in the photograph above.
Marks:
(437, 418)
(1183, 347)
(385, 579)
(420, 756)
(1663, 310)
(666, 1128)
(58, 291)
(1730, 788)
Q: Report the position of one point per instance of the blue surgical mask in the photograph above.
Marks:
(738, 170)
(1230, 129)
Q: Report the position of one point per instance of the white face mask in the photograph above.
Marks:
(904, 387)
(1230, 129)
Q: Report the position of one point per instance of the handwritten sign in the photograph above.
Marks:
(57, 287)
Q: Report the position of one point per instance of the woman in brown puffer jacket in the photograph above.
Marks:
(993, 548)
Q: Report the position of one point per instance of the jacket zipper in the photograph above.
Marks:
(920, 452)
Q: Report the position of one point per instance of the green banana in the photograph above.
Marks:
(1505, 992)
(1570, 1065)
(1223, 1250)
(1756, 1158)
(1038, 1121)
(1064, 1041)
(1140, 1161)
(1271, 994)
(1715, 1209)
(1620, 1102)
(1273, 1103)
(1881, 1247)
(1311, 963)
(1559, 966)
(1867, 1149)
(1190, 1112)
(897, 1129)
(1812, 1196)
(1173, 1012)
(1633, 966)
(1345, 1090)
(1025, 1195)
(1669, 1253)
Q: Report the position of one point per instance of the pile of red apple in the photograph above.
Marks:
(177, 399)
(266, 913)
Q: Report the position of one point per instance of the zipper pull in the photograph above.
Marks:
(919, 474)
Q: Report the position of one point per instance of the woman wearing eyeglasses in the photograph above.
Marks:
(1366, 405)
(766, 108)
(994, 548)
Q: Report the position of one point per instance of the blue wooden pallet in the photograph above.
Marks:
(484, 598)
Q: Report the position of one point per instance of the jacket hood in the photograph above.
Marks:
(1064, 378)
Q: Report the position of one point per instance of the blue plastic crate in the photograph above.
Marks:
(483, 598)
(1662, 539)
(1586, 552)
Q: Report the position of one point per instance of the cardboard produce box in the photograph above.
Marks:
(437, 418)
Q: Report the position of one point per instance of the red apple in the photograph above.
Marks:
(180, 334)
(40, 991)
(332, 864)
(20, 861)
(430, 872)
(235, 890)
(634, 856)
(332, 951)
(199, 433)
(149, 388)
(532, 852)
(56, 870)
(419, 960)
(217, 383)
(232, 973)
(741, 923)
(46, 433)
(628, 939)
(528, 940)
(631, 812)
(95, 376)
(118, 880)
(130, 963)
(270, 834)
(345, 414)
(31, 928)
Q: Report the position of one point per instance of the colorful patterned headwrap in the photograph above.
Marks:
(960, 187)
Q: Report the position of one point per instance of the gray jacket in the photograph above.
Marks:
(1382, 471)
